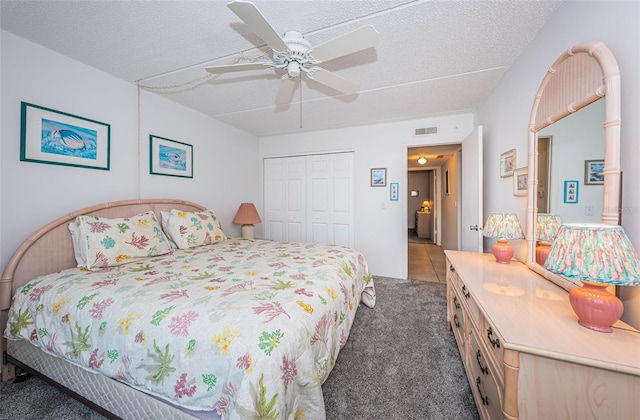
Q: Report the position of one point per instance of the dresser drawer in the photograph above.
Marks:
(458, 320)
(484, 381)
(465, 296)
(494, 342)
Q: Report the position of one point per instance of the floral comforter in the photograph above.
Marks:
(250, 329)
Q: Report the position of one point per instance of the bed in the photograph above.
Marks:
(215, 327)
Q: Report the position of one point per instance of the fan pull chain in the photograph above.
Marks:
(300, 101)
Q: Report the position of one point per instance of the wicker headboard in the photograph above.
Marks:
(50, 250)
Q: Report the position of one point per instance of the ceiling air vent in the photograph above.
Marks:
(425, 131)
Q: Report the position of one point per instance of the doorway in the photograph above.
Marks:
(426, 196)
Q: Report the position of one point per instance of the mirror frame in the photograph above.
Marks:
(583, 74)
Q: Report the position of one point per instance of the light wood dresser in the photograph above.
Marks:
(525, 355)
(423, 224)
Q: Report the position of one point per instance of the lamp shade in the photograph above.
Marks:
(247, 215)
(597, 255)
(503, 226)
(594, 252)
(547, 226)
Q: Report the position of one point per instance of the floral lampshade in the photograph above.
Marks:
(503, 226)
(547, 226)
(598, 255)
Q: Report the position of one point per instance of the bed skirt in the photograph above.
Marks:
(115, 397)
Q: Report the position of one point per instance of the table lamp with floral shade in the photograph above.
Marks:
(503, 226)
(547, 226)
(598, 255)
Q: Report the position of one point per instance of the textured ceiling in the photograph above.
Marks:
(433, 57)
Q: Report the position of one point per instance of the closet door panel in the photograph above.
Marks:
(285, 199)
(330, 198)
(310, 198)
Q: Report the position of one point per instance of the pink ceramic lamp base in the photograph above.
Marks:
(542, 252)
(502, 251)
(597, 309)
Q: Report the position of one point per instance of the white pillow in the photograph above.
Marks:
(77, 247)
(193, 229)
(165, 220)
(105, 242)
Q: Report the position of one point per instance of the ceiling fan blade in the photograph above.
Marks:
(333, 81)
(285, 91)
(238, 67)
(250, 15)
(360, 39)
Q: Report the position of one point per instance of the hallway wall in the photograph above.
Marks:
(449, 210)
(419, 181)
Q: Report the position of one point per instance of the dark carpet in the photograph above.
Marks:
(400, 363)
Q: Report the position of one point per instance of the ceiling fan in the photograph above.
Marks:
(294, 54)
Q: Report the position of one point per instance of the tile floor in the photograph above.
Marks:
(427, 262)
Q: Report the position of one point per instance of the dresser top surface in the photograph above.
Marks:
(534, 315)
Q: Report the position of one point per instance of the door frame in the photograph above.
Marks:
(437, 204)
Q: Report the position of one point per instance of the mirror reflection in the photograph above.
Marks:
(584, 84)
(565, 148)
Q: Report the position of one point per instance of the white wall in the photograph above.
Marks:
(505, 114)
(33, 194)
(381, 224)
(449, 209)
(575, 139)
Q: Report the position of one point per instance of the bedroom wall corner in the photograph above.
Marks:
(225, 172)
(380, 224)
(32, 194)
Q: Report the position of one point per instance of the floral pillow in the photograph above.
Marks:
(192, 229)
(107, 242)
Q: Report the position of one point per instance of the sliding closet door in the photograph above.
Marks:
(310, 198)
(330, 199)
(285, 218)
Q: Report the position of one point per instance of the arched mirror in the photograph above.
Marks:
(585, 73)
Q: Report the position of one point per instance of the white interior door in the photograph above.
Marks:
(285, 201)
(310, 198)
(330, 198)
(471, 193)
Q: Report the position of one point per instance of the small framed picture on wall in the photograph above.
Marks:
(571, 192)
(594, 172)
(394, 188)
(378, 177)
(446, 182)
(520, 181)
(507, 163)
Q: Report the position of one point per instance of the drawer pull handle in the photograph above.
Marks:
(484, 369)
(455, 302)
(452, 268)
(485, 399)
(495, 343)
(455, 320)
(465, 293)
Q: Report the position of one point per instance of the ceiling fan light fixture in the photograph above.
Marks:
(422, 160)
(293, 69)
(293, 53)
